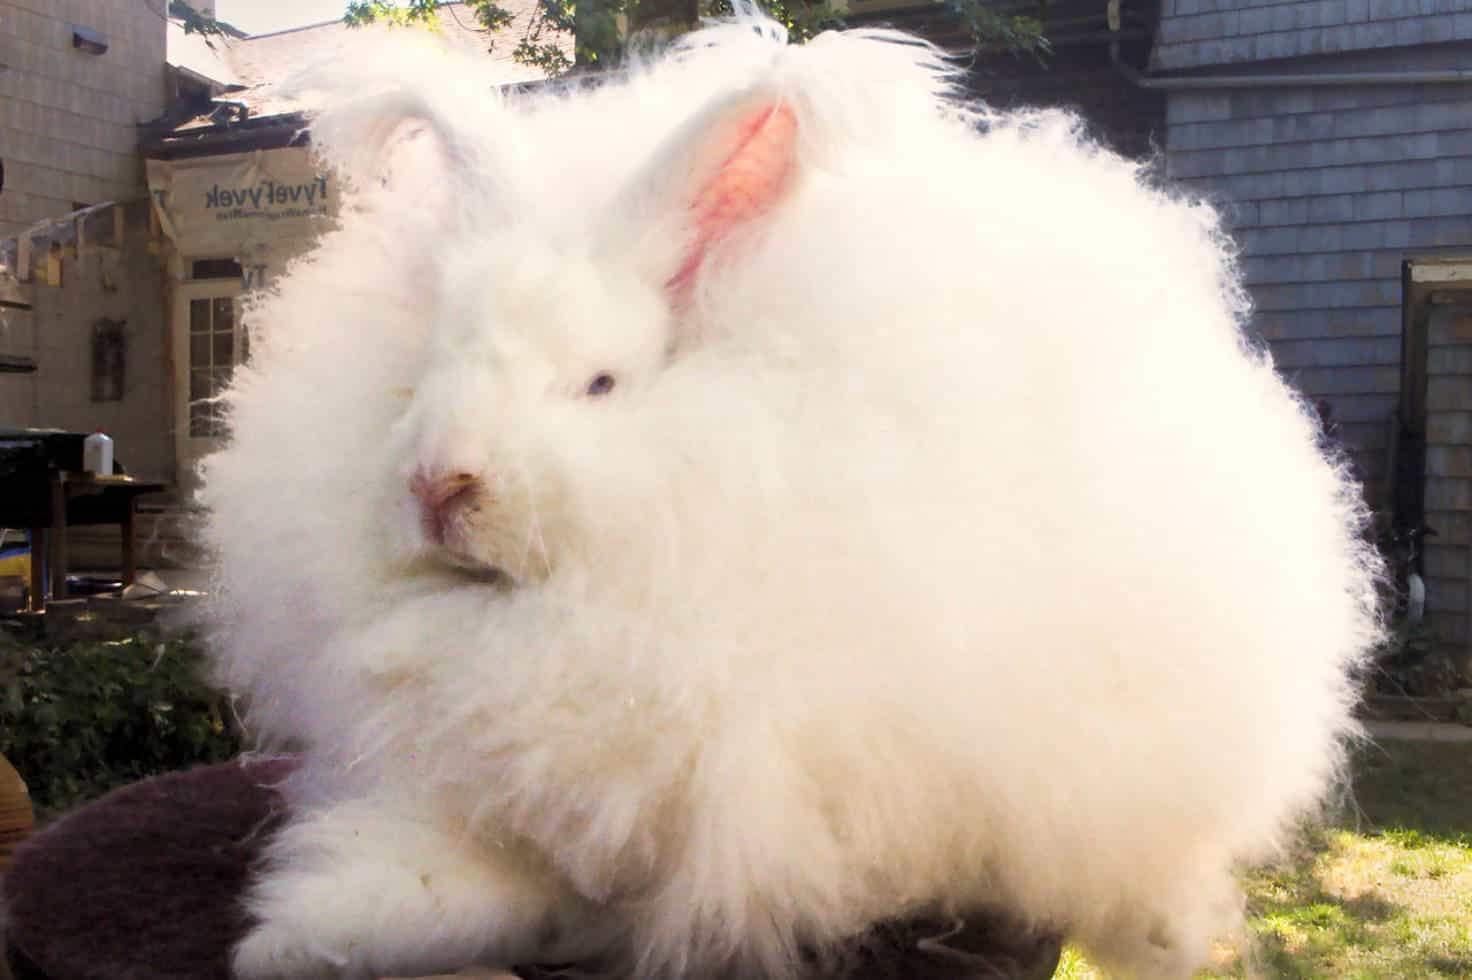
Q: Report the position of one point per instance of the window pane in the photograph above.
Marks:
(223, 346)
(199, 315)
(199, 350)
(244, 343)
(219, 379)
(224, 313)
(201, 424)
(204, 420)
(199, 385)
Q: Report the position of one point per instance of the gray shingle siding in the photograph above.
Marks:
(1421, 235)
(1320, 154)
(1364, 351)
(1334, 381)
(1337, 295)
(1322, 267)
(1452, 360)
(1327, 192)
(1257, 103)
(1242, 121)
(1200, 33)
(1327, 324)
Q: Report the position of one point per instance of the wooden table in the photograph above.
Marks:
(68, 499)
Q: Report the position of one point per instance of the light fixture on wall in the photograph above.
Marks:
(88, 40)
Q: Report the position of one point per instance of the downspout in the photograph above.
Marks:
(1407, 475)
(1451, 76)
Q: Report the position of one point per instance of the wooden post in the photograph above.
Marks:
(56, 553)
(38, 570)
(130, 557)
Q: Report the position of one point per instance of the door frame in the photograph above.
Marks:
(189, 449)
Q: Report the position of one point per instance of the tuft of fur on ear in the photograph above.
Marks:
(365, 107)
(733, 163)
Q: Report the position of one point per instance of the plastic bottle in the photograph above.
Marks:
(97, 454)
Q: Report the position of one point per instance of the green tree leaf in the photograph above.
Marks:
(600, 39)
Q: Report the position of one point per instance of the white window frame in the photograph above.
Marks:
(189, 448)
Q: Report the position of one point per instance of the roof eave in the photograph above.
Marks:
(263, 133)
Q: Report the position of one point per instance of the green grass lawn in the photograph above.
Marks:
(1383, 892)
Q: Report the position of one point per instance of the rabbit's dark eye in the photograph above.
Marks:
(601, 384)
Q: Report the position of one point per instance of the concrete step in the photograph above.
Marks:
(164, 538)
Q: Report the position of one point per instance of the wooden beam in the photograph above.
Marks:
(1445, 273)
(53, 264)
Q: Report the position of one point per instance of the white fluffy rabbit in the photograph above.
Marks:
(693, 518)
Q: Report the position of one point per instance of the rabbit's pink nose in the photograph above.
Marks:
(441, 496)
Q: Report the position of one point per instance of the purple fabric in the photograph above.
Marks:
(145, 884)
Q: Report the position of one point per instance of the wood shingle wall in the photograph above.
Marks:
(1080, 78)
(1449, 469)
(101, 279)
(67, 118)
(1201, 33)
(1328, 191)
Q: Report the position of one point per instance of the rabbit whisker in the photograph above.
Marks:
(534, 535)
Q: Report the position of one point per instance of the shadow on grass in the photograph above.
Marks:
(1407, 803)
(1452, 966)
(1300, 927)
(1423, 788)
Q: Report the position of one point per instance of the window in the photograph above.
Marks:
(213, 355)
(109, 360)
(214, 269)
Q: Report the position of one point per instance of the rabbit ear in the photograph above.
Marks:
(720, 174)
(753, 156)
(363, 109)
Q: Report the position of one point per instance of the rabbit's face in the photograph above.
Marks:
(526, 436)
(537, 365)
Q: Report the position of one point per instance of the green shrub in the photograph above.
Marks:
(81, 719)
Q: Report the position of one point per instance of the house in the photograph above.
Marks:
(1079, 71)
(68, 109)
(124, 280)
(237, 194)
(1335, 135)
(75, 80)
(1338, 136)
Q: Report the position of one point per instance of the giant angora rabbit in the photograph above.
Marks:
(691, 518)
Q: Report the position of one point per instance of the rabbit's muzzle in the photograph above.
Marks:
(445, 500)
(464, 524)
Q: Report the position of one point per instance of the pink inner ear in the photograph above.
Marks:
(745, 185)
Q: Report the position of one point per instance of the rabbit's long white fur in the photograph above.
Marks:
(943, 546)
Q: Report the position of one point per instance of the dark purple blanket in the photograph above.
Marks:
(145, 884)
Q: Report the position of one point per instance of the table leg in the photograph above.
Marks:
(57, 556)
(37, 602)
(130, 557)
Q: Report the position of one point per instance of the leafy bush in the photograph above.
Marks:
(81, 719)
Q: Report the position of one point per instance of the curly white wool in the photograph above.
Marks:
(961, 553)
